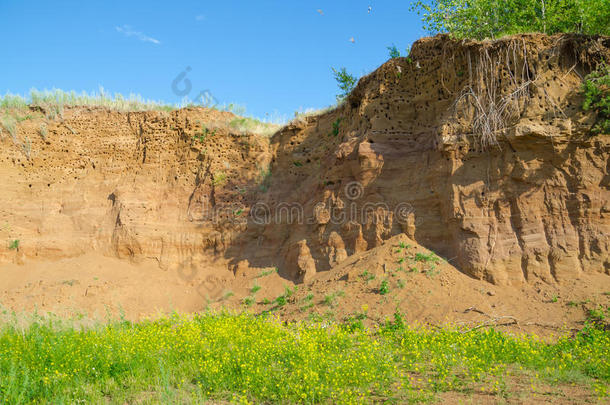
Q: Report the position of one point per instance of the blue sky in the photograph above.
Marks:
(272, 57)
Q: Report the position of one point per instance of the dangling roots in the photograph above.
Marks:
(484, 99)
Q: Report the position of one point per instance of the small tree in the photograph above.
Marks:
(394, 52)
(480, 19)
(345, 81)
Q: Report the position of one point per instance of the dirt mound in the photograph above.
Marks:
(478, 151)
(402, 276)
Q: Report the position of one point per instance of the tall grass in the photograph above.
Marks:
(10, 124)
(245, 358)
(54, 101)
(58, 98)
(253, 125)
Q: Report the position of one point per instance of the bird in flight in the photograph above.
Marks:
(320, 11)
(370, 9)
(352, 40)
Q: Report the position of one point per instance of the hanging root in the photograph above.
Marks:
(488, 101)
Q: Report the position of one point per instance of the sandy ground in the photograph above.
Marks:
(432, 293)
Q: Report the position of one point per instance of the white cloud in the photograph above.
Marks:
(129, 32)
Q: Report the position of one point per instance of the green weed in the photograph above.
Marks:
(281, 301)
(265, 273)
(331, 298)
(336, 125)
(238, 358)
(384, 287)
(255, 289)
(427, 258)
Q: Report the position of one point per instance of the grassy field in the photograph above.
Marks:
(246, 359)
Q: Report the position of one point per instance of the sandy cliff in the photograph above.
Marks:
(478, 151)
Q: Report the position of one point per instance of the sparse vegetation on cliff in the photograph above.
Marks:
(345, 81)
(57, 99)
(596, 91)
(53, 102)
(393, 52)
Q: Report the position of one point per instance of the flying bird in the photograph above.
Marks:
(370, 9)
(352, 40)
(320, 11)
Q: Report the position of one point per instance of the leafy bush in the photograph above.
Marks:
(384, 288)
(393, 51)
(480, 19)
(345, 81)
(596, 90)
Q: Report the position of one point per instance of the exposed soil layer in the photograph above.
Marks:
(477, 151)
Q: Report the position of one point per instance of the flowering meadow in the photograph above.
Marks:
(241, 358)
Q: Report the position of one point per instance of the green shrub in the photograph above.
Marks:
(384, 287)
(596, 91)
(345, 81)
(393, 52)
